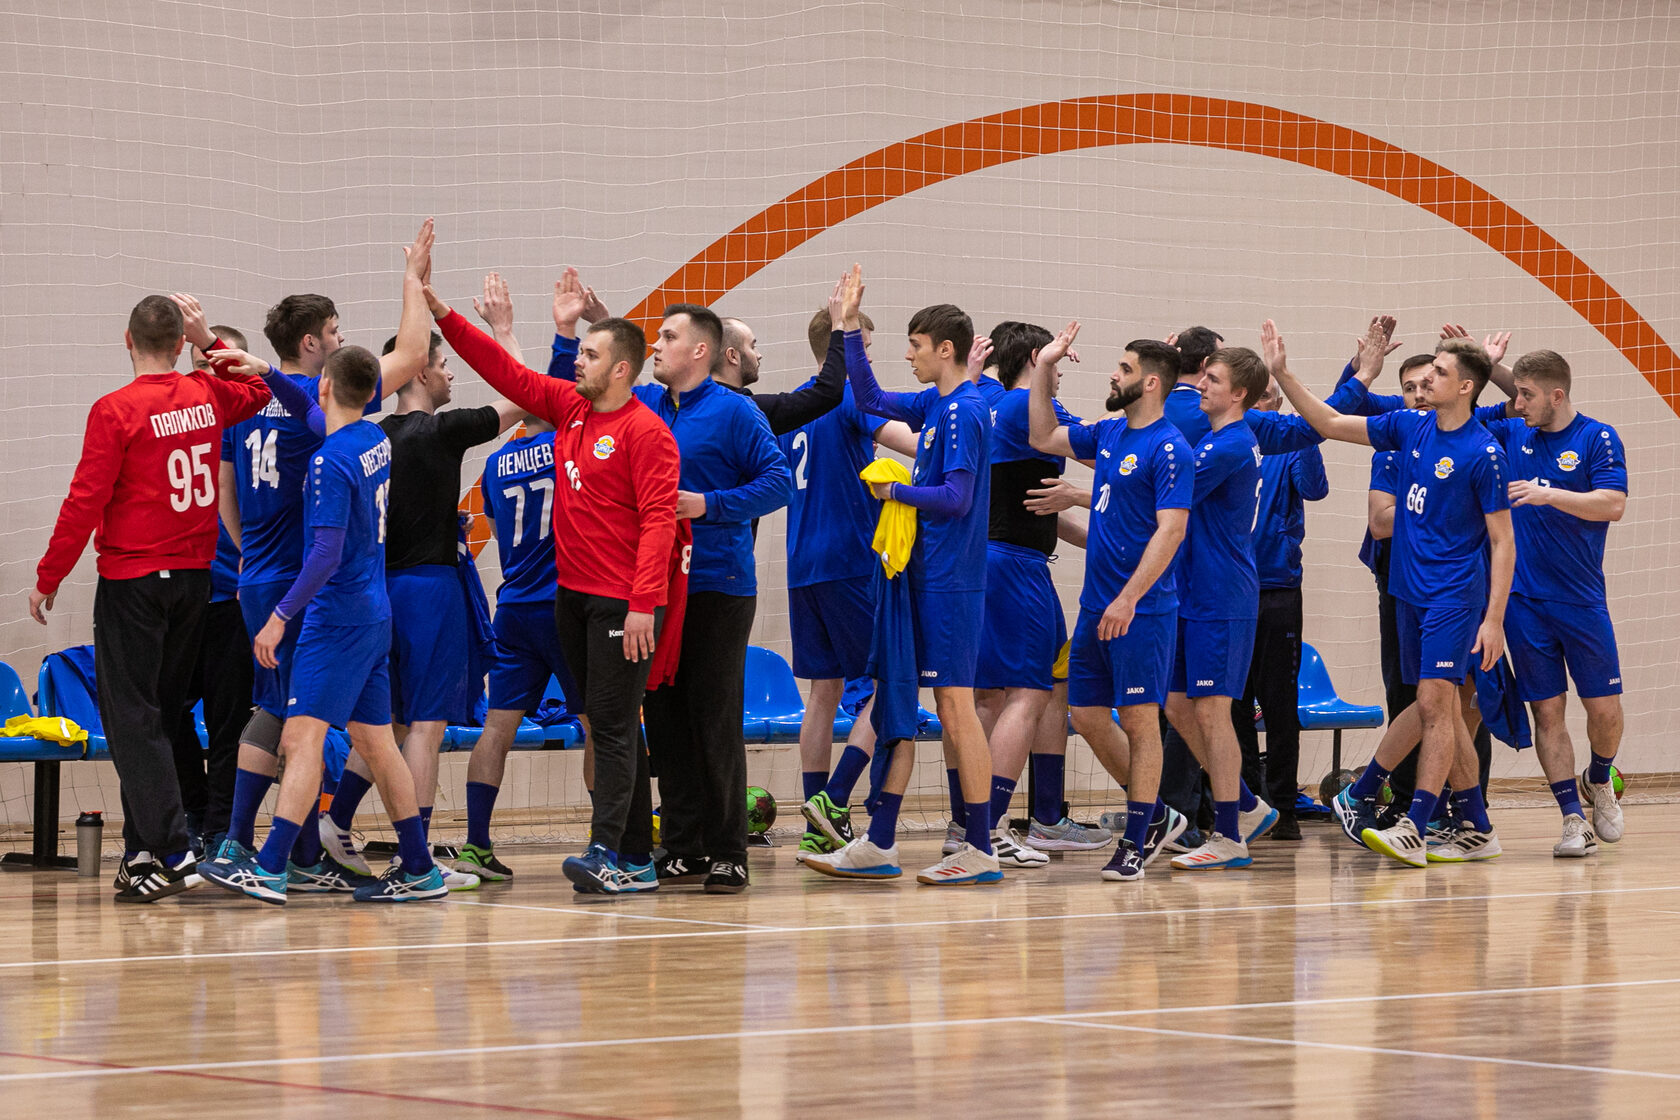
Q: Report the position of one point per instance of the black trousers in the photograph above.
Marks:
(1184, 785)
(146, 634)
(695, 736)
(591, 630)
(1399, 696)
(1273, 680)
(222, 679)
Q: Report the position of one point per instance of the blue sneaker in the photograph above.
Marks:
(232, 851)
(1355, 815)
(639, 876)
(397, 885)
(326, 877)
(594, 872)
(248, 878)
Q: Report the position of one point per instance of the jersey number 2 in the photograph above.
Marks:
(802, 445)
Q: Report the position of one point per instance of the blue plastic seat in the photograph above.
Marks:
(530, 736)
(14, 701)
(927, 724)
(1322, 710)
(65, 687)
(772, 708)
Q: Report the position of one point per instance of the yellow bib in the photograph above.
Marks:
(895, 533)
(54, 729)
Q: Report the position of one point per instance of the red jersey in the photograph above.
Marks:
(667, 650)
(615, 506)
(147, 477)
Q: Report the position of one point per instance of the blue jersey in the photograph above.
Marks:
(1385, 479)
(518, 492)
(1447, 484)
(1560, 557)
(1286, 482)
(349, 489)
(955, 434)
(1138, 472)
(1218, 578)
(831, 515)
(1009, 428)
(270, 456)
(1275, 432)
(224, 569)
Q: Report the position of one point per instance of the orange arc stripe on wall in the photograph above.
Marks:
(1156, 118)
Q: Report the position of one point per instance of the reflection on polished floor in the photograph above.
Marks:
(1321, 982)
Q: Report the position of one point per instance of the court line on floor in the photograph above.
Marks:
(1351, 1048)
(840, 928)
(858, 1028)
(616, 914)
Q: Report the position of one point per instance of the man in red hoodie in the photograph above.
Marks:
(615, 526)
(146, 482)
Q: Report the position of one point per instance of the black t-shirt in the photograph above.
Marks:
(1010, 520)
(426, 450)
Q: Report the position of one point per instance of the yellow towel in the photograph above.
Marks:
(895, 533)
(1059, 671)
(54, 729)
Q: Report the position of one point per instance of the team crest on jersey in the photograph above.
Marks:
(1128, 464)
(1443, 467)
(604, 447)
(1568, 461)
(927, 438)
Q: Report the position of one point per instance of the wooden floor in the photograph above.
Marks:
(1321, 982)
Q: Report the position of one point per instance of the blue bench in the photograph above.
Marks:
(45, 758)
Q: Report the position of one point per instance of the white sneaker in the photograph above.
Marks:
(1466, 846)
(1009, 849)
(1606, 809)
(1066, 835)
(954, 834)
(1256, 822)
(342, 848)
(962, 867)
(1400, 841)
(1578, 838)
(858, 860)
(1217, 853)
(457, 880)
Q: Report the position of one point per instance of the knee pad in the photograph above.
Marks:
(262, 731)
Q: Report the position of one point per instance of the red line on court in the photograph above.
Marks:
(522, 1110)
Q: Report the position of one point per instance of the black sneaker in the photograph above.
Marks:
(1164, 830)
(151, 881)
(1286, 828)
(124, 879)
(1126, 866)
(727, 877)
(683, 869)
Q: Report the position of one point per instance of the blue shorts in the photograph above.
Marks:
(1435, 641)
(340, 674)
(831, 624)
(527, 654)
(269, 686)
(1024, 627)
(428, 643)
(1131, 669)
(947, 636)
(1213, 656)
(1544, 637)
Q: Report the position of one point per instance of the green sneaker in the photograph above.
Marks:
(482, 862)
(833, 821)
(814, 844)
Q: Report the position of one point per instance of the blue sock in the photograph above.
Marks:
(812, 782)
(481, 802)
(1598, 770)
(1423, 810)
(411, 845)
(632, 861)
(959, 811)
(1138, 816)
(853, 762)
(1472, 808)
(1246, 801)
(1225, 820)
(1568, 797)
(1049, 772)
(426, 819)
(306, 849)
(249, 789)
(1003, 792)
(277, 849)
(976, 832)
(352, 787)
(883, 822)
(1369, 784)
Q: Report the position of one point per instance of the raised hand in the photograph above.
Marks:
(496, 305)
(593, 309)
(196, 326)
(230, 360)
(419, 254)
(1060, 346)
(977, 355)
(851, 298)
(438, 308)
(1359, 341)
(1496, 344)
(569, 300)
(1273, 350)
(1375, 347)
(836, 313)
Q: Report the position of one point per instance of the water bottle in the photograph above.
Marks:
(90, 844)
